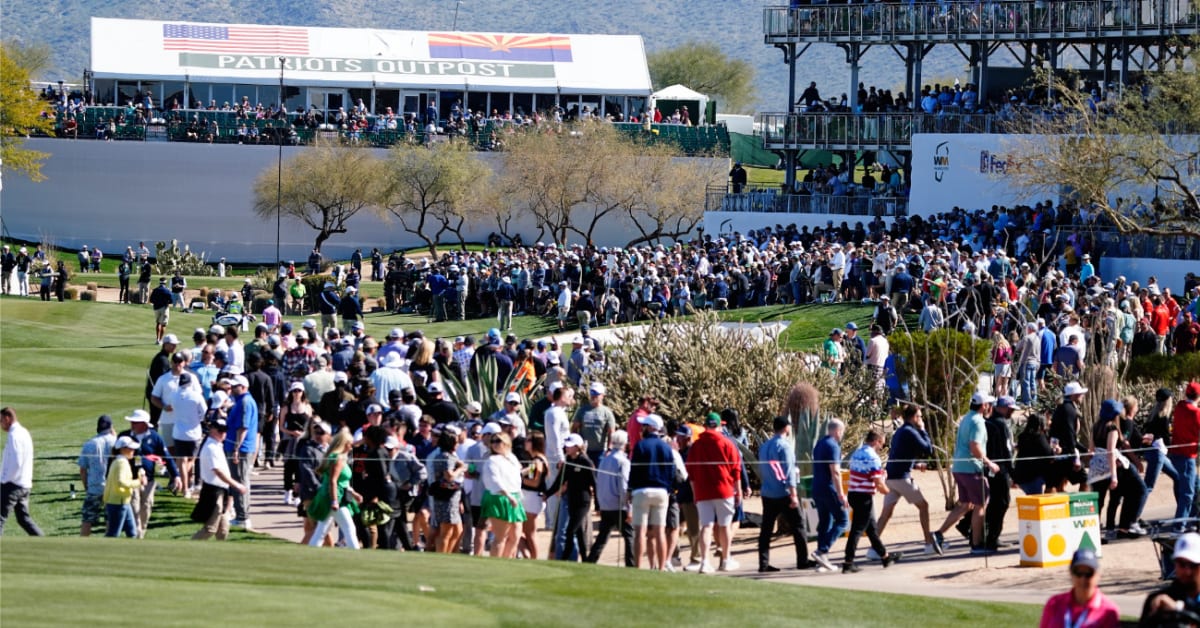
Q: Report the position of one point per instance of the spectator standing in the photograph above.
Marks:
(714, 469)
(160, 300)
(831, 503)
(970, 462)
(1084, 606)
(777, 458)
(910, 443)
(118, 490)
(1185, 434)
(241, 449)
(612, 478)
(16, 473)
(93, 469)
(866, 476)
(651, 477)
(215, 484)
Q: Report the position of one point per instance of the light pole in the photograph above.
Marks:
(279, 165)
(458, 3)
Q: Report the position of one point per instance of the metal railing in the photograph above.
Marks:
(980, 20)
(883, 130)
(772, 200)
(1112, 243)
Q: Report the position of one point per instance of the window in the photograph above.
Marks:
(268, 96)
(105, 91)
(477, 101)
(522, 104)
(385, 98)
(172, 93)
(545, 102)
(222, 94)
(357, 93)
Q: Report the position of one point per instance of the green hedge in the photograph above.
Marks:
(1168, 369)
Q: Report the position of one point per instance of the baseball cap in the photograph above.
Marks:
(434, 387)
(684, 430)
(1085, 558)
(597, 388)
(217, 329)
(374, 409)
(491, 428)
(127, 442)
(395, 333)
(453, 430)
(1188, 548)
(341, 377)
(220, 425)
(138, 416)
(1006, 401)
(103, 424)
(574, 440)
(513, 397)
(391, 443)
(179, 356)
(295, 386)
(309, 324)
(1193, 389)
(474, 407)
(1073, 388)
(653, 420)
(170, 339)
(395, 394)
(220, 399)
(359, 325)
(851, 325)
(978, 399)
(712, 420)
(240, 380)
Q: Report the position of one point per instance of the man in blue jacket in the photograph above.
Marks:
(241, 445)
(910, 443)
(832, 515)
(651, 477)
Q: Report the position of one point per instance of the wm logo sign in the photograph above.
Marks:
(941, 160)
(1085, 523)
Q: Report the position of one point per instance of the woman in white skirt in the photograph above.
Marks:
(502, 504)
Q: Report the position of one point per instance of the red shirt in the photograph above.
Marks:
(634, 428)
(1160, 320)
(1185, 429)
(713, 467)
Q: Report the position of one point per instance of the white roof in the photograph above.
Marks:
(679, 92)
(365, 57)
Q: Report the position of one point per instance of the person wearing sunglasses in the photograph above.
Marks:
(1084, 606)
(1178, 603)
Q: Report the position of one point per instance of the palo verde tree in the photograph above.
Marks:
(703, 67)
(323, 187)
(434, 190)
(21, 109)
(1141, 143)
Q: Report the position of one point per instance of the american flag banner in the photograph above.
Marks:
(536, 48)
(249, 39)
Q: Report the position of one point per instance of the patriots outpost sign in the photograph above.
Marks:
(598, 64)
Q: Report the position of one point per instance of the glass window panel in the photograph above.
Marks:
(221, 96)
(522, 104)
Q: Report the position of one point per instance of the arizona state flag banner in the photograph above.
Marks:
(536, 48)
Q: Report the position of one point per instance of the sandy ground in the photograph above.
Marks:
(1130, 569)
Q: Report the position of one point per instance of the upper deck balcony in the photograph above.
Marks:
(977, 21)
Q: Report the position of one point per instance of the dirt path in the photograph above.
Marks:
(1130, 569)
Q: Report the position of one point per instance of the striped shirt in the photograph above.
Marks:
(865, 467)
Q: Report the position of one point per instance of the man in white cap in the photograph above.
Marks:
(153, 451)
(970, 464)
(651, 478)
(394, 344)
(166, 387)
(241, 446)
(1183, 593)
(594, 421)
(1065, 424)
(217, 484)
(328, 302)
(391, 375)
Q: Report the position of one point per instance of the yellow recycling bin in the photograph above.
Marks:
(1052, 527)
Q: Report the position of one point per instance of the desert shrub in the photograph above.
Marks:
(87, 295)
(942, 370)
(1168, 369)
(314, 285)
(259, 300)
(169, 257)
(696, 367)
(72, 293)
(203, 292)
(92, 286)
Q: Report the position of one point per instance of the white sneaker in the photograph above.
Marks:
(669, 568)
(822, 560)
(287, 499)
(823, 569)
(730, 564)
(695, 566)
(706, 567)
(1137, 529)
(247, 526)
(929, 551)
(872, 554)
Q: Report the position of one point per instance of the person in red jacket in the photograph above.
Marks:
(1161, 322)
(714, 468)
(1185, 434)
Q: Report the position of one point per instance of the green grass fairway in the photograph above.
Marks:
(64, 364)
(58, 582)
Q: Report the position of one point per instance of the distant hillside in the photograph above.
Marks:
(736, 25)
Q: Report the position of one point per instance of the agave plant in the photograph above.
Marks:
(483, 389)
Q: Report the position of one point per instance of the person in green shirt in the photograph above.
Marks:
(118, 490)
(970, 464)
(835, 353)
(298, 292)
(595, 421)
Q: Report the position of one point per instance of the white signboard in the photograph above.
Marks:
(970, 171)
(363, 57)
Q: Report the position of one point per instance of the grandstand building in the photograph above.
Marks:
(951, 157)
(198, 65)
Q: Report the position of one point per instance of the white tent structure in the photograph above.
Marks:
(681, 93)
